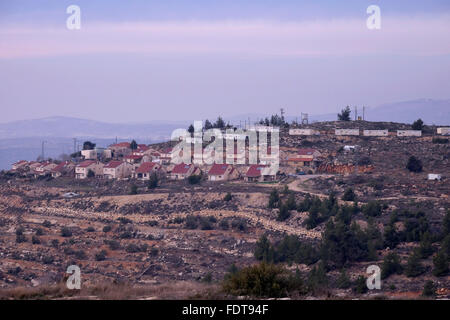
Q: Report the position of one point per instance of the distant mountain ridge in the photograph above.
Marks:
(22, 139)
(431, 111)
(68, 127)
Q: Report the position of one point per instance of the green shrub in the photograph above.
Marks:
(440, 262)
(417, 125)
(35, 240)
(178, 220)
(113, 244)
(274, 199)
(21, 238)
(349, 195)
(262, 280)
(372, 209)
(317, 279)
(20, 231)
(194, 179)
(153, 223)
(133, 189)
(228, 197)
(55, 243)
(416, 225)
(440, 140)
(284, 213)
(207, 278)
(239, 224)
(425, 249)
(66, 232)
(133, 248)
(153, 182)
(414, 164)
(91, 174)
(47, 224)
(360, 285)
(100, 256)
(290, 203)
(47, 259)
(80, 255)
(191, 222)
(414, 267)
(224, 224)
(154, 251)
(391, 236)
(264, 250)
(289, 249)
(124, 220)
(343, 282)
(127, 234)
(429, 289)
(391, 265)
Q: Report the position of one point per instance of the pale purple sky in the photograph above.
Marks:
(178, 63)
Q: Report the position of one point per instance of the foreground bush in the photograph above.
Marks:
(262, 280)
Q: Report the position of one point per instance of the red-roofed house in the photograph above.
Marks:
(141, 150)
(146, 169)
(303, 158)
(19, 164)
(222, 172)
(33, 165)
(182, 171)
(82, 169)
(133, 159)
(120, 149)
(44, 168)
(63, 168)
(165, 156)
(117, 170)
(260, 173)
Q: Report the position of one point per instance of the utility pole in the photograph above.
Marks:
(356, 113)
(74, 145)
(364, 113)
(43, 151)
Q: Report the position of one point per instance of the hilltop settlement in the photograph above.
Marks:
(347, 195)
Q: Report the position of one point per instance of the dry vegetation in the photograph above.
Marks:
(179, 241)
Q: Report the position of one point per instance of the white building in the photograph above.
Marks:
(346, 132)
(409, 133)
(117, 170)
(82, 170)
(375, 133)
(443, 131)
(303, 132)
(434, 176)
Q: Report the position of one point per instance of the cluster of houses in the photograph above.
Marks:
(119, 161)
(367, 133)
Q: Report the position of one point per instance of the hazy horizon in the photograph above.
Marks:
(243, 116)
